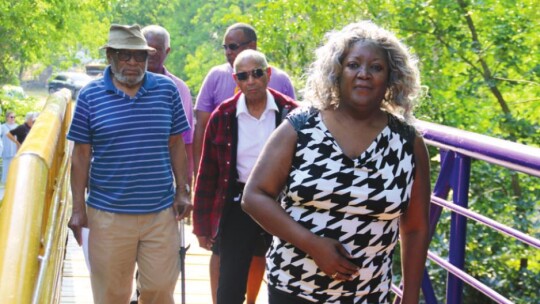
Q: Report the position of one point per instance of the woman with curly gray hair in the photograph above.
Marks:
(322, 88)
(354, 175)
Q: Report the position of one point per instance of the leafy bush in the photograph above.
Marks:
(18, 104)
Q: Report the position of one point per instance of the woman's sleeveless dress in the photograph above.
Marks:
(356, 201)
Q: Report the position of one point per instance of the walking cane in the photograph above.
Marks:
(183, 250)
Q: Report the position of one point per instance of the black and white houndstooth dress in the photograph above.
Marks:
(356, 201)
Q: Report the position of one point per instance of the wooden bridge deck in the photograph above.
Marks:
(76, 281)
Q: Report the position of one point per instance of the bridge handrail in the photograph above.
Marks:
(525, 238)
(27, 208)
(469, 279)
(457, 148)
(505, 153)
(49, 280)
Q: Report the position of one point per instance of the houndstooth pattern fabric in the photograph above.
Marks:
(356, 201)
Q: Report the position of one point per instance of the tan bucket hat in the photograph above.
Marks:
(128, 37)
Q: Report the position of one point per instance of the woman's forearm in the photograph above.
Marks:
(413, 259)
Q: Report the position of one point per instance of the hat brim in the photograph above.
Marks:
(149, 49)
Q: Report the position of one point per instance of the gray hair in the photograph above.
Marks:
(322, 84)
(159, 31)
(254, 55)
(31, 116)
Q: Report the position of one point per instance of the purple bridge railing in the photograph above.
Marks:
(457, 148)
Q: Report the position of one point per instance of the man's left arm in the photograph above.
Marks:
(185, 95)
(182, 199)
(189, 167)
(13, 138)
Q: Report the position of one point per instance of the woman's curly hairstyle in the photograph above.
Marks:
(322, 85)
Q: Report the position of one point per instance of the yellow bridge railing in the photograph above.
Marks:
(33, 213)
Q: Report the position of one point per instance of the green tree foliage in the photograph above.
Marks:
(19, 105)
(39, 31)
(480, 61)
(290, 31)
(196, 29)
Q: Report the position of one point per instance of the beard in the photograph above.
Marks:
(127, 80)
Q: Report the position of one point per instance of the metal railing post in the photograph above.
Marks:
(441, 189)
(458, 227)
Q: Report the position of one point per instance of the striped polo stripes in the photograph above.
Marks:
(131, 169)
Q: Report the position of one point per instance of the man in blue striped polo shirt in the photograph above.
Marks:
(129, 154)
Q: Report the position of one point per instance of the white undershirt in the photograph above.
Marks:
(253, 134)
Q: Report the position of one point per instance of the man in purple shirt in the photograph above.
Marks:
(218, 86)
(159, 38)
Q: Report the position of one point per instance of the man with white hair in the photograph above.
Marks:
(159, 38)
(237, 130)
(18, 135)
(130, 154)
(218, 86)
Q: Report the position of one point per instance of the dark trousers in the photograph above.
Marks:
(279, 297)
(237, 244)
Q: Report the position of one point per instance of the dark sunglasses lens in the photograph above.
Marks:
(231, 46)
(139, 56)
(123, 56)
(242, 76)
(258, 73)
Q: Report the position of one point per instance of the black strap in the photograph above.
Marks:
(300, 116)
(284, 111)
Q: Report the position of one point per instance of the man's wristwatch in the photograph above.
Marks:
(185, 189)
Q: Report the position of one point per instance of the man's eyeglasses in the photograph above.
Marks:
(11, 116)
(256, 74)
(235, 46)
(140, 56)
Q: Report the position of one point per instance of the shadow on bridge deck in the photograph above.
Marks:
(76, 282)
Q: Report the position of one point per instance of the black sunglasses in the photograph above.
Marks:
(257, 73)
(140, 56)
(235, 46)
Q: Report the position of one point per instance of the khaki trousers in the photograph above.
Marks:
(118, 241)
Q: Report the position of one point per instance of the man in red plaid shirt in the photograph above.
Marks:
(235, 135)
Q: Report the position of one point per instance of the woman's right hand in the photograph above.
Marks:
(333, 259)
